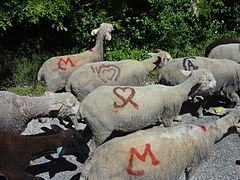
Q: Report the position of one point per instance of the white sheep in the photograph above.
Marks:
(17, 111)
(157, 153)
(129, 108)
(56, 70)
(124, 73)
(226, 73)
(219, 42)
(226, 51)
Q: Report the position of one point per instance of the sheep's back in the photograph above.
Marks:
(226, 72)
(226, 51)
(121, 157)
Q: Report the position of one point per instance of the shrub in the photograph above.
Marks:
(32, 90)
(32, 32)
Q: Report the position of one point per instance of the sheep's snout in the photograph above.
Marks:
(238, 127)
(75, 109)
(212, 84)
(108, 36)
(209, 83)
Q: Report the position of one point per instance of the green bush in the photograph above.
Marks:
(34, 90)
(34, 31)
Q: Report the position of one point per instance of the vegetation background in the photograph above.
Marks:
(32, 31)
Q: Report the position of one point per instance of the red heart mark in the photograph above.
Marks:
(107, 72)
(125, 100)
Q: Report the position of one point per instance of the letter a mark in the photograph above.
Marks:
(60, 61)
(142, 157)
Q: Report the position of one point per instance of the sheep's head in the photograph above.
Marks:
(73, 143)
(64, 104)
(105, 29)
(204, 79)
(162, 58)
(238, 126)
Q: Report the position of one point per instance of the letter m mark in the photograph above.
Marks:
(62, 61)
(142, 157)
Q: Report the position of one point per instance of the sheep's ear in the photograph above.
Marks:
(56, 107)
(186, 73)
(94, 32)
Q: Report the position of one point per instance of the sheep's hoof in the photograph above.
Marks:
(43, 120)
(199, 114)
(78, 128)
(178, 118)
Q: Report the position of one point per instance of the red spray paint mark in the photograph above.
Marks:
(107, 72)
(60, 61)
(142, 157)
(90, 50)
(203, 127)
(125, 101)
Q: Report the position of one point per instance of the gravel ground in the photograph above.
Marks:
(224, 163)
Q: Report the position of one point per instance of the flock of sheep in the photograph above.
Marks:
(113, 98)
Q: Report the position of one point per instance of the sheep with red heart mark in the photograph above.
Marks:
(122, 73)
(131, 108)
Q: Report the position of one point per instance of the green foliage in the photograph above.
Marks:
(37, 90)
(123, 50)
(33, 11)
(32, 31)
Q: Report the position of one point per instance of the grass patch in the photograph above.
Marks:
(32, 90)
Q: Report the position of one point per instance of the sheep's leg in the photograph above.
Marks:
(234, 98)
(53, 84)
(167, 122)
(44, 120)
(87, 134)
(75, 122)
(178, 118)
(51, 88)
(189, 172)
(100, 136)
(201, 107)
